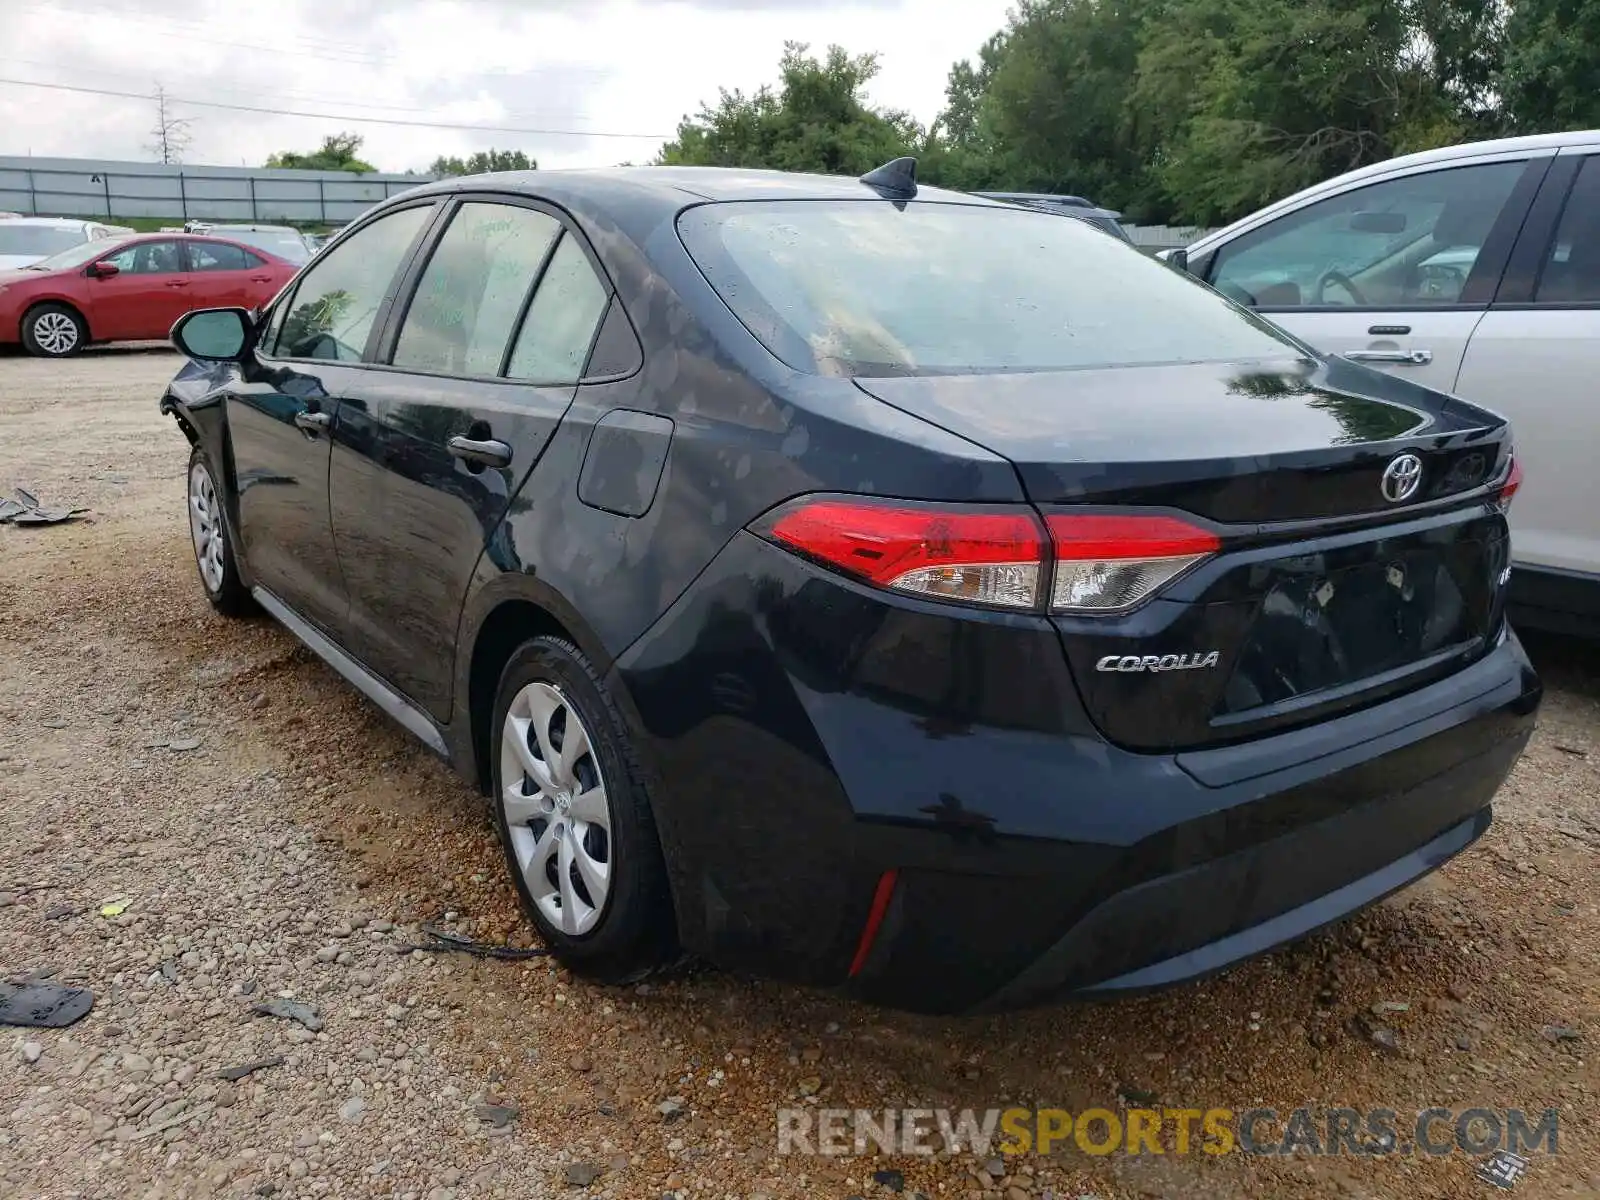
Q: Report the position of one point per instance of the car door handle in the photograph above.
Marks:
(313, 422)
(177, 283)
(485, 453)
(261, 279)
(1410, 358)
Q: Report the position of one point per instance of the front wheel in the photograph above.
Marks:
(53, 331)
(575, 818)
(213, 549)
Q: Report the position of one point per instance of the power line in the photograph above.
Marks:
(322, 116)
(256, 91)
(347, 57)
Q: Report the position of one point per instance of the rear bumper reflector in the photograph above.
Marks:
(881, 896)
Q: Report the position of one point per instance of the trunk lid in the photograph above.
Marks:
(1328, 593)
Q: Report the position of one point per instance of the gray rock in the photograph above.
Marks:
(31, 1052)
(581, 1174)
(289, 1010)
(498, 1115)
(1384, 1039)
(184, 744)
(352, 1109)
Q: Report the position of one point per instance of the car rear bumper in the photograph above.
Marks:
(812, 737)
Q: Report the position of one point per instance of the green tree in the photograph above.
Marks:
(481, 162)
(337, 153)
(1551, 75)
(1200, 110)
(817, 120)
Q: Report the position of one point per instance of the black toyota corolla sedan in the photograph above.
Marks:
(874, 587)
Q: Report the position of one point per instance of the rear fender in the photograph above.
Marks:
(491, 593)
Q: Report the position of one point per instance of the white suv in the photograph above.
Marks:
(1473, 269)
(27, 240)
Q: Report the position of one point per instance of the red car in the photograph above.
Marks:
(131, 289)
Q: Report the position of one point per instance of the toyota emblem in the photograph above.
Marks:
(1401, 478)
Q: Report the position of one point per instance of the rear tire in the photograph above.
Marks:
(213, 547)
(575, 817)
(54, 331)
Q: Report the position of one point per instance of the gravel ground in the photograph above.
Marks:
(273, 837)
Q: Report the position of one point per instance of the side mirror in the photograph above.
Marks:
(102, 270)
(214, 334)
(1177, 259)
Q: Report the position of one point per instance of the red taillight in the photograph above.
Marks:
(1109, 562)
(1508, 490)
(993, 556)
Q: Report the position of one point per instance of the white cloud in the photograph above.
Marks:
(606, 66)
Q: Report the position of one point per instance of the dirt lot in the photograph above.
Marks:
(265, 826)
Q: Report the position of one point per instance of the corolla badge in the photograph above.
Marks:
(1159, 662)
(1401, 478)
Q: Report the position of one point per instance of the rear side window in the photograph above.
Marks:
(872, 288)
(466, 306)
(1571, 273)
(218, 256)
(559, 329)
(286, 244)
(332, 310)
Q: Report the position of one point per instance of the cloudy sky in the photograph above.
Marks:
(572, 69)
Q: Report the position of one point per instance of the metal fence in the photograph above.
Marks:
(84, 187)
(1164, 237)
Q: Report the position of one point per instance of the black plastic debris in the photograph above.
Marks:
(444, 940)
(23, 508)
(289, 1010)
(42, 1005)
(234, 1074)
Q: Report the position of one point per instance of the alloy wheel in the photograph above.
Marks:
(556, 809)
(55, 332)
(205, 526)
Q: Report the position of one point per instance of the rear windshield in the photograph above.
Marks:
(285, 243)
(871, 288)
(38, 239)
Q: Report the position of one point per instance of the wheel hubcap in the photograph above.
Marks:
(205, 526)
(556, 808)
(55, 332)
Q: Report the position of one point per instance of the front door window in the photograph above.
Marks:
(1404, 243)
